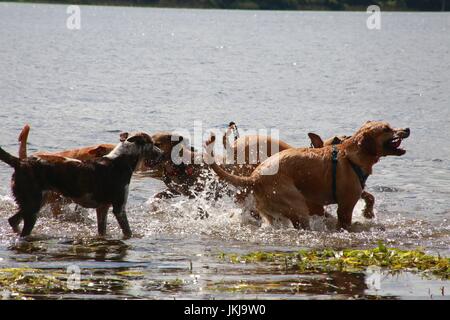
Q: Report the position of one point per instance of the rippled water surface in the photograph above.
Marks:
(156, 69)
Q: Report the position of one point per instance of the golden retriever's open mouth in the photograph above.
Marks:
(392, 146)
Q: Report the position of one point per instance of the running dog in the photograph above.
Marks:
(98, 183)
(369, 199)
(250, 147)
(332, 174)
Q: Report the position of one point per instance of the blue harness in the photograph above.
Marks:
(362, 177)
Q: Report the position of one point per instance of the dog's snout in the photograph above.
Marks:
(405, 132)
(402, 133)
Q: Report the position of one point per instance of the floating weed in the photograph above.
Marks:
(19, 283)
(170, 285)
(173, 284)
(350, 260)
(131, 274)
(28, 283)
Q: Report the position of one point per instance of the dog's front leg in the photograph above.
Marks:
(370, 201)
(121, 216)
(102, 215)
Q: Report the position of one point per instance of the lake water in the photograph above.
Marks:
(162, 69)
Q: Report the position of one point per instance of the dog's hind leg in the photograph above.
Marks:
(15, 220)
(288, 202)
(315, 209)
(29, 212)
(102, 215)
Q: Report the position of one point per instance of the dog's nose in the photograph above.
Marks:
(407, 132)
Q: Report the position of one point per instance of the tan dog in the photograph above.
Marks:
(87, 153)
(317, 142)
(250, 146)
(305, 175)
(245, 151)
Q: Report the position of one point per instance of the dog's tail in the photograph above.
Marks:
(23, 138)
(9, 159)
(237, 181)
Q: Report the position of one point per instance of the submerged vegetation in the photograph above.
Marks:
(20, 283)
(29, 283)
(350, 260)
(343, 270)
(425, 5)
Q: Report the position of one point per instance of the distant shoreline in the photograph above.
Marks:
(283, 5)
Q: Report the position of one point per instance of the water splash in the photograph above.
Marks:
(224, 220)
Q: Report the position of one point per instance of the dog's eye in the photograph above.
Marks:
(386, 129)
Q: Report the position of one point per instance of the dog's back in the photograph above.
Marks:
(72, 178)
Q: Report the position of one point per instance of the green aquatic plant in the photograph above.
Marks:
(29, 283)
(20, 283)
(131, 273)
(350, 260)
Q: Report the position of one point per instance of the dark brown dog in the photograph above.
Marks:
(98, 183)
(305, 175)
(54, 199)
(189, 176)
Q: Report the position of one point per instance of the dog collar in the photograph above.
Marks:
(334, 161)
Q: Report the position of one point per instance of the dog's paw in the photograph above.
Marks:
(368, 214)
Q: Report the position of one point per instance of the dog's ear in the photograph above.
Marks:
(123, 136)
(368, 144)
(137, 139)
(316, 140)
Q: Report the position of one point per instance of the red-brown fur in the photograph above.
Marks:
(304, 175)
